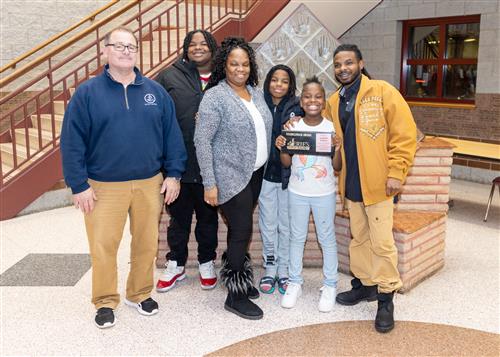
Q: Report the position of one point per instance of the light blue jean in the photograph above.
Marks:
(323, 210)
(274, 228)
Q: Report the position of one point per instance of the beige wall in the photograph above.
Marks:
(26, 23)
(336, 15)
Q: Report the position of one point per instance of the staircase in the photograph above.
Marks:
(35, 96)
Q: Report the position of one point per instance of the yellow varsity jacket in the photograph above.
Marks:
(386, 137)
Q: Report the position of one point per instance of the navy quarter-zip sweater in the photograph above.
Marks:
(111, 133)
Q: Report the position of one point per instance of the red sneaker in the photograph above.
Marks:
(170, 276)
(208, 276)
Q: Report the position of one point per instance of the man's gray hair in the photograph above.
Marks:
(119, 29)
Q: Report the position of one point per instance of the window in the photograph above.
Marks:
(439, 59)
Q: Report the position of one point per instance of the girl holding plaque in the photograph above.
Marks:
(312, 188)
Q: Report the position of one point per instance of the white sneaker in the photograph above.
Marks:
(170, 276)
(208, 276)
(327, 299)
(293, 292)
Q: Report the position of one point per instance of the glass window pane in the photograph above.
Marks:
(462, 40)
(421, 81)
(424, 42)
(460, 81)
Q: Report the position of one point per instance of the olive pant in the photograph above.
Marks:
(373, 253)
(142, 201)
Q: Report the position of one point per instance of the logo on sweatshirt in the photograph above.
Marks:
(150, 99)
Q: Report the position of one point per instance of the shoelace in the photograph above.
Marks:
(171, 269)
(324, 291)
(292, 288)
(208, 269)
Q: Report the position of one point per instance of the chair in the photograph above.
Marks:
(495, 182)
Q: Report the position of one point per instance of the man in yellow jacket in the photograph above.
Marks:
(379, 143)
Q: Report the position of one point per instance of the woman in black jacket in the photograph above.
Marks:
(185, 81)
(279, 92)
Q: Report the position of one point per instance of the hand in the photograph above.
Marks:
(336, 142)
(290, 124)
(210, 196)
(280, 142)
(392, 186)
(171, 188)
(85, 200)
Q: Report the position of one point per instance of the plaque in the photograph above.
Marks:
(307, 143)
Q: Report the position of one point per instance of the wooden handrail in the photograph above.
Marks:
(90, 17)
(11, 77)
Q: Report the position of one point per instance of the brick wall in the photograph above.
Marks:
(428, 183)
(379, 36)
(480, 123)
(26, 23)
(419, 235)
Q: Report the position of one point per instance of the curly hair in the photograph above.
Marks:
(292, 85)
(209, 38)
(219, 72)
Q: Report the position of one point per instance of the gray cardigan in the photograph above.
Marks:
(225, 139)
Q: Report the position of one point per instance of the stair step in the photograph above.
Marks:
(46, 122)
(8, 154)
(33, 137)
(164, 35)
(5, 168)
(59, 107)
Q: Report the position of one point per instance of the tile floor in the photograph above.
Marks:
(58, 320)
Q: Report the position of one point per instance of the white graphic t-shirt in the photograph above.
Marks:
(312, 175)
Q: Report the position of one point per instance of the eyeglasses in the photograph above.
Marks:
(121, 47)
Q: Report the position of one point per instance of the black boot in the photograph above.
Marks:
(239, 284)
(358, 293)
(384, 322)
(253, 293)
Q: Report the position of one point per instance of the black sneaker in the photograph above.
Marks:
(105, 317)
(147, 307)
(359, 292)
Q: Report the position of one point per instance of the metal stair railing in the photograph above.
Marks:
(31, 92)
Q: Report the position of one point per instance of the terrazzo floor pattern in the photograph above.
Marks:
(192, 322)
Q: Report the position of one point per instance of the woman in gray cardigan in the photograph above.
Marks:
(232, 140)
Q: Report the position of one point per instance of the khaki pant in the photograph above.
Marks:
(373, 253)
(141, 200)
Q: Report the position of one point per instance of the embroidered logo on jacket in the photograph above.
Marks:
(149, 99)
(371, 116)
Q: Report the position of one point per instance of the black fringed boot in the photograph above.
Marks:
(239, 284)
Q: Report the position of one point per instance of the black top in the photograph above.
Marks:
(347, 98)
(287, 108)
(182, 82)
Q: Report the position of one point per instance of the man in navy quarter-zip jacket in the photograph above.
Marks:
(119, 133)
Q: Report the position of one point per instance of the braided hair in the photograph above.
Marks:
(209, 38)
(219, 72)
(357, 53)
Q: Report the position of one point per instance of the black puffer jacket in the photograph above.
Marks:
(182, 82)
(287, 108)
